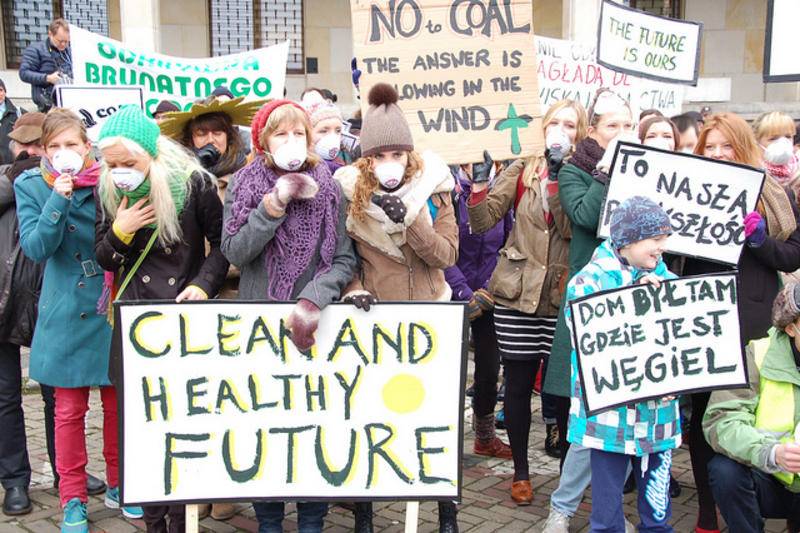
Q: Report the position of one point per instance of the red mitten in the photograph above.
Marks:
(293, 186)
(302, 324)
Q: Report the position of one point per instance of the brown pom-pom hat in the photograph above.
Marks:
(384, 127)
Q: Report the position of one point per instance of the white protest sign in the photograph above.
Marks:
(644, 342)
(465, 72)
(568, 69)
(781, 60)
(99, 60)
(96, 104)
(705, 199)
(217, 403)
(659, 48)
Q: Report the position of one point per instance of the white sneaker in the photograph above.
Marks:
(629, 528)
(556, 523)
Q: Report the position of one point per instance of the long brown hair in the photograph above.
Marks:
(217, 122)
(367, 183)
(737, 132)
(648, 123)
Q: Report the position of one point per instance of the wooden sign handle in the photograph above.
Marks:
(412, 517)
(192, 521)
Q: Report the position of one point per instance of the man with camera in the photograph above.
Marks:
(47, 63)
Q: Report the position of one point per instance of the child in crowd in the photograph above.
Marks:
(326, 129)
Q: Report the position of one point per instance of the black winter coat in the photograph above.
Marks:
(39, 60)
(759, 279)
(6, 125)
(20, 277)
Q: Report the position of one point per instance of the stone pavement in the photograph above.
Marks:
(486, 505)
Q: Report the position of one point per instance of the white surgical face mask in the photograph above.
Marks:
(67, 161)
(127, 179)
(687, 150)
(328, 146)
(558, 141)
(779, 151)
(658, 142)
(390, 175)
(290, 156)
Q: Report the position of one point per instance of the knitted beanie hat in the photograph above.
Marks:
(260, 120)
(384, 127)
(786, 307)
(319, 109)
(131, 122)
(636, 219)
(165, 106)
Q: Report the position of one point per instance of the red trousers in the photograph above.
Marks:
(71, 458)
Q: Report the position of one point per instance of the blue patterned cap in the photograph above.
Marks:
(636, 219)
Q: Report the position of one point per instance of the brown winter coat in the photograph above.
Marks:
(532, 270)
(413, 270)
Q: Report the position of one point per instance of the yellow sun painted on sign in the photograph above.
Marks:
(403, 394)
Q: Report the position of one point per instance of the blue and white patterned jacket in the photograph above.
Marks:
(642, 428)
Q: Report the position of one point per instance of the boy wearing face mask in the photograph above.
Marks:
(326, 129)
(402, 221)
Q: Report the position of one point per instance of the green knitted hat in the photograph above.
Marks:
(131, 122)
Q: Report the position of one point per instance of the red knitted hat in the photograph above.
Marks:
(260, 120)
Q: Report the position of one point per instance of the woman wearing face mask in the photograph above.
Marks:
(285, 229)
(581, 189)
(527, 285)
(775, 134)
(401, 219)
(772, 245)
(56, 207)
(158, 210)
(659, 132)
(326, 129)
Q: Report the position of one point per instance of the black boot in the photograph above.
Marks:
(16, 501)
(551, 442)
(447, 518)
(363, 517)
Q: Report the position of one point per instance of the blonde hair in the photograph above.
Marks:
(173, 163)
(293, 115)
(59, 120)
(367, 183)
(737, 132)
(772, 124)
(535, 165)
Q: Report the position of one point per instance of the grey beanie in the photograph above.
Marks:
(636, 219)
(384, 127)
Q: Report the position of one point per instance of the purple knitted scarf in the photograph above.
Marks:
(290, 251)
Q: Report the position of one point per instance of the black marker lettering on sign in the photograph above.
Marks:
(483, 17)
(393, 22)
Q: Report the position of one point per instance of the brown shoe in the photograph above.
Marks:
(203, 510)
(222, 511)
(522, 492)
(492, 448)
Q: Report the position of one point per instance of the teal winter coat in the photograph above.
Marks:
(71, 341)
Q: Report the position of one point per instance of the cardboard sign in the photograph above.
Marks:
(659, 48)
(568, 69)
(706, 200)
(641, 342)
(781, 61)
(218, 404)
(98, 60)
(465, 72)
(96, 104)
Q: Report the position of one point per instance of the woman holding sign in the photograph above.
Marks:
(285, 229)
(56, 211)
(528, 283)
(772, 245)
(402, 220)
(158, 209)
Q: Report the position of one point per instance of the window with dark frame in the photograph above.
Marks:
(665, 8)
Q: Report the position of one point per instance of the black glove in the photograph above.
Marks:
(480, 171)
(361, 300)
(554, 161)
(392, 205)
(600, 177)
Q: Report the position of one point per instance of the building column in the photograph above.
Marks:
(140, 24)
(580, 18)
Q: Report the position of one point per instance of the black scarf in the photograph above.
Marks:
(23, 162)
(587, 154)
(228, 165)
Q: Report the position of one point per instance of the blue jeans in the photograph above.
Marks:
(576, 475)
(310, 516)
(609, 472)
(745, 496)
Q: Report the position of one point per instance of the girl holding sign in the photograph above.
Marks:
(285, 229)
(527, 285)
(158, 210)
(402, 220)
(56, 211)
(772, 246)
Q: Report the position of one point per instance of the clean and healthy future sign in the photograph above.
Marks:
(638, 43)
(98, 60)
(705, 199)
(645, 342)
(217, 403)
(465, 72)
